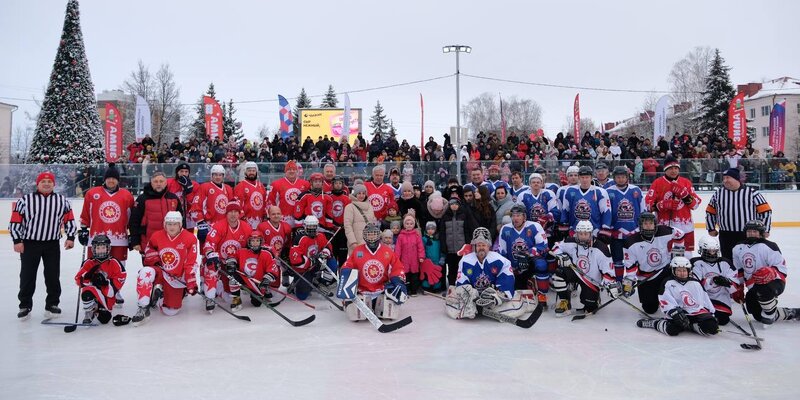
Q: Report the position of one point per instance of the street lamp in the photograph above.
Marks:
(457, 48)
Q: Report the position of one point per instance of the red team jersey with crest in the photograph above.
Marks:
(285, 194)
(380, 197)
(318, 205)
(338, 203)
(275, 239)
(210, 203)
(107, 213)
(327, 188)
(112, 269)
(374, 269)
(226, 241)
(255, 266)
(661, 189)
(305, 249)
(177, 256)
(252, 197)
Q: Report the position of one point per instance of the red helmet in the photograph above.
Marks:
(315, 176)
(255, 235)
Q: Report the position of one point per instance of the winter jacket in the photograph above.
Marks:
(354, 221)
(433, 248)
(456, 229)
(406, 204)
(501, 209)
(148, 214)
(409, 248)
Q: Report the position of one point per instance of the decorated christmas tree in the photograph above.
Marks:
(68, 129)
(716, 98)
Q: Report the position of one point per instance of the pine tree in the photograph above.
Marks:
(379, 123)
(230, 126)
(198, 127)
(68, 129)
(330, 100)
(303, 101)
(716, 98)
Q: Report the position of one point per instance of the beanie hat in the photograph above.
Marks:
(181, 166)
(111, 172)
(233, 205)
(733, 173)
(359, 188)
(46, 175)
(670, 162)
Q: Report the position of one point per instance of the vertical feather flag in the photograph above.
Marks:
(285, 116)
(502, 119)
(421, 127)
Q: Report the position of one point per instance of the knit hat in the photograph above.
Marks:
(111, 172)
(387, 233)
(406, 186)
(429, 183)
(670, 162)
(733, 173)
(233, 205)
(291, 165)
(359, 188)
(181, 166)
(46, 175)
(429, 225)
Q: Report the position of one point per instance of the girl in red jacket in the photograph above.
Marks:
(411, 252)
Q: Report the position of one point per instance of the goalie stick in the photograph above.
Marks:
(522, 323)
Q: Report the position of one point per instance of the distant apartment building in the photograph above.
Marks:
(758, 102)
(6, 111)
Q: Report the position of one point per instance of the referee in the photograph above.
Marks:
(730, 208)
(36, 222)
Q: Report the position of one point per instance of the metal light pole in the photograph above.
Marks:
(457, 48)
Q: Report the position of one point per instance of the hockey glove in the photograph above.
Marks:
(764, 276)
(186, 184)
(614, 289)
(545, 220)
(489, 297)
(720, 280)
(396, 291)
(202, 231)
(668, 205)
(231, 266)
(191, 286)
(522, 260)
(212, 261)
(83, 236)
(99, 280)
(266, 281)
(564, 261)
(681, 317)
(678, 191)
(628, 287)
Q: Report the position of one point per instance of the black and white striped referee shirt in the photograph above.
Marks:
(40, 217)
(731, 209)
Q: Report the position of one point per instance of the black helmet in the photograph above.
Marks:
(519, 209)
(647, 234)
(97, 242)
(600, 166)
(621, 170)
(585, 170)
(754, 225)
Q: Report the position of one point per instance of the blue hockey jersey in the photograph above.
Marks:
(544, 203)
(531, 238)
(626, 205)
(592, 205)
(487, 184)
(551, 187)
(516, 194)
(494, 270)
(397, 191)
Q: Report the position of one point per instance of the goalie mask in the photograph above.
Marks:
(372, 235)
(101, 247)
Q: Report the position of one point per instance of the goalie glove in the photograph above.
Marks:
(396, 291)
(489, 297)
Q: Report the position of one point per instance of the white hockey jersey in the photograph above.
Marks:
(705, 272)
(645, 258)
(595, 262)
(752, 257)
(689, 295)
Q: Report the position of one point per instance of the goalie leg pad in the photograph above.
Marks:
(348, 284)
(352, 311)
(387, 309)
(460, 302)
(522, 303)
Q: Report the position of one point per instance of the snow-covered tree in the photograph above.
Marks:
(230, 126)
(717, 97)
(303, 101)
(68, 129)
(379, 123)
(330, 100)
(197, 129)
(162, 95)
(687, 79)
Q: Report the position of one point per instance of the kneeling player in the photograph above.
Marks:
(718, 277)
(169, 258)
(593, 259)
(377, 273)
(255, 268)
(685, 304)
(486, 279)
(311, 249)
(100, 279)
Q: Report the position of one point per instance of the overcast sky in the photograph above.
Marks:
(257, 49)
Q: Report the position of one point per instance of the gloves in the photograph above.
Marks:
(614, 289)
(396, 291)
(627, 287)
(668, 204)
(678, 191)
(202, 231)
(83, 236)
(231, 266)
(430, 272)
(564, 261)
(720, 280)
(545, 220)
(191, 287)
(99, 280)
(605, 234)
(212, 261)
(489, 297)
(680, 316)
(738, 296)
(326, 277)
(186, 184)
(764, 276)
(465, 249)
(266, 281)
(325, 253)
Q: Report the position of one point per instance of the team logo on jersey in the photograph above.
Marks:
(230, 247)
(537, 211)
(625, 210)
(316, 209)
(583, 263)
(749, 261)
(291, 195)
(482, 282)
(276, 242)
(373, 271)
(220, 203)
(109, 212)
(583, 210)
(312, 250)
(256, 201)
(711, 287)
(687, 299)
(250, 266)
(169, 259)
(376, 200)
(653, 257)
(337, 208)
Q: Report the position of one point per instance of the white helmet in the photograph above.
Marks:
(584, 226)
(709, 248)
(681, 262)
(173, 216)
(218, 169)
(573, 169)
(310, 224)
(250, 164)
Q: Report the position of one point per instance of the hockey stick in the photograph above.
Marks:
(285, 295)
(266, 304)
(740, 334)
(748, 346)
(739, 327)
(71, 328)
(303, 278)
(522, 323)
(579, 317)
(239, 317)
(68, 324)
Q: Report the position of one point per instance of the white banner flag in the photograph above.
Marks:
(660, 121)
(143, 123)
(346, 118)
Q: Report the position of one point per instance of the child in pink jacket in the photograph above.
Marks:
(411, 251)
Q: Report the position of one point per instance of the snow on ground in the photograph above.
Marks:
(195, 355)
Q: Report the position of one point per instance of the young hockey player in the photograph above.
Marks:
(254, 267)
(339, 200)
(100, 279)
(718, 277)
(587, 262)
(311, 249)
(224, 241)
(764, 275)
(685, 304)
(168, 272)
(251, 195)
(524, 243)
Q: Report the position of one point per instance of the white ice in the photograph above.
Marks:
(199, 356)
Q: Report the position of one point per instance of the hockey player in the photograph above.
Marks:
(646, 255)
(100, 278)
(379, 195)
(377, 273)
(672, 198)
(552, 186)
(543, 206)
(285, 192)
(168, 271)
(310, 250)
(186, 189)
(587, 202)
(685, 304)
(524, 243)
(587, 262)
(254, 267)
(339, 200)
(225, 239)
(627, 203)
(329, 172)
(517, 187)
(276, 232)
(572, 180)
(209, 206)
(485, 279)
(718, 277)
(314, 202)
(764, 275)
(106, 211)
(251, 195)
(601, 176)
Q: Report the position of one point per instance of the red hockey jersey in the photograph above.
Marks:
(663, 189)
(255, 266)
(111, 268)
(285, 194)
(304, 249)
(327, 188)
(338, 203)
(275, 239)
(175, 188)
(318, 205)
(374, 269)
(252, 197)
(107, 213)
(224, 242)
(379, 197)
(177, 255)
(210, 203)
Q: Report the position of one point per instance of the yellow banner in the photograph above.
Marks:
(319, 122)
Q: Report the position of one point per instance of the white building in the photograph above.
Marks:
(5, 131)
(758, 102)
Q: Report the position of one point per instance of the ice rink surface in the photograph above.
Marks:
(198, 356)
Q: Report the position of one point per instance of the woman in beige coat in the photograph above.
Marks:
(356, 216)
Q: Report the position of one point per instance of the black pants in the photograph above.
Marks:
(413, 284)
(452, 260)
(589, 297)
(763, 293)
(339, 245)
(648, 291)
(728, 240)
(49, 254)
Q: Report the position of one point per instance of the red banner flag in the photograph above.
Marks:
(737, 122)
(421, 127)
(576, 120)
(213, 113)
(113, 133)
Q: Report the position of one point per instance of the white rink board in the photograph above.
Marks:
(196, 355)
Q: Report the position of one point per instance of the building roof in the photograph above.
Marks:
(8, 105)
(777, 87)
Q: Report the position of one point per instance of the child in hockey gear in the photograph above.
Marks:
(223, 242)
(646, 254)
(764, 275)
(411, 251)
(387, 238)
(485, 279)
(524, 243)
(627, 203)
(303, 254)
(685, 304)
(718, 277)
(168, 271)
(375, 274)
(256, 269)
(100, 278)
(433, 252)
(587, 262)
